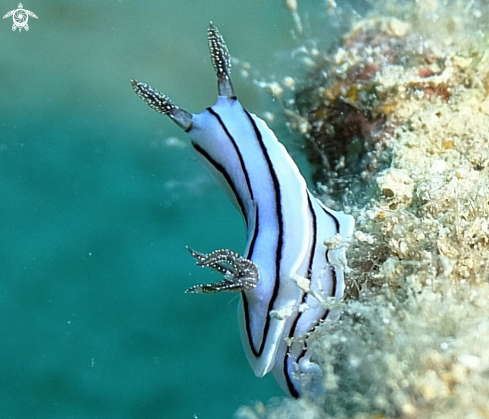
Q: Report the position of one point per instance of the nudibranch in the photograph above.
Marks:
(287, 270)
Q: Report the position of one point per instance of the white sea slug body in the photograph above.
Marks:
(286, 228)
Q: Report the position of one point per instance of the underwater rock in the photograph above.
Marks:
(413, 335)
(351, 97)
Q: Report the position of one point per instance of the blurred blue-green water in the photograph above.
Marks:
(96, 209)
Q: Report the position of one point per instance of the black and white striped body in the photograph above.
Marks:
(286, 229)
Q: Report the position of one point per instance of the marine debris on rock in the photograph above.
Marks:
(398, 116)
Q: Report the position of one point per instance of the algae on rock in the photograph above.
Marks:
(413, 337)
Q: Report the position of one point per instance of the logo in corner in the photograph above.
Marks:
(20, 17)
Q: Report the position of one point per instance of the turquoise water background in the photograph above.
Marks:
(97, 207)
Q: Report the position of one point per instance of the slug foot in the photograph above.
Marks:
(240, 274)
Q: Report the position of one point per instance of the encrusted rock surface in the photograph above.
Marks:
(411, 83)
